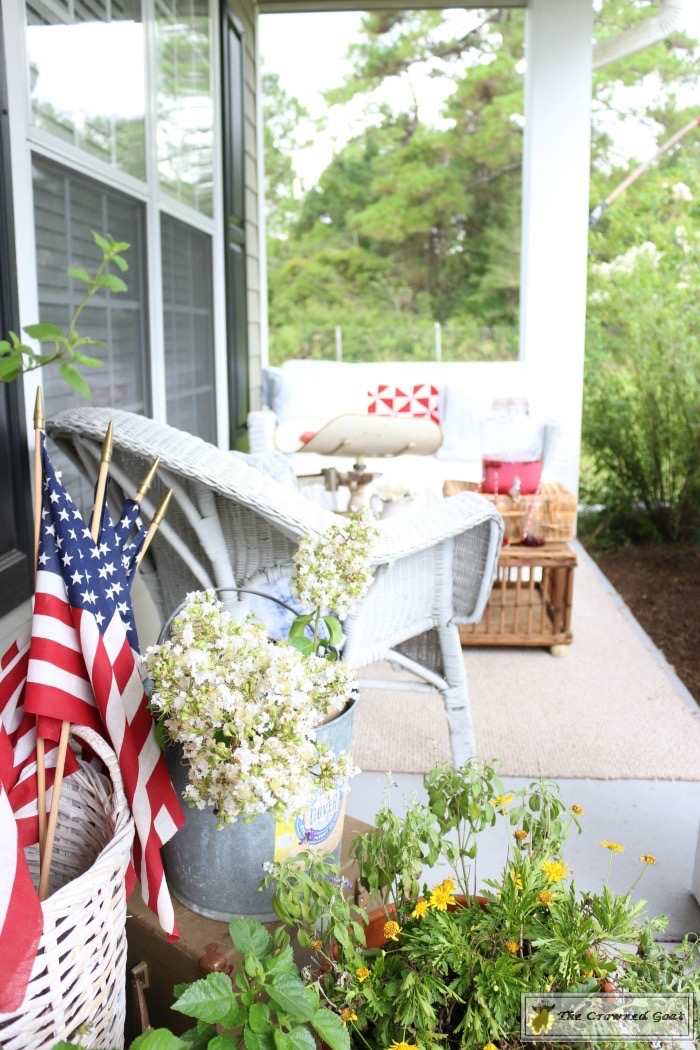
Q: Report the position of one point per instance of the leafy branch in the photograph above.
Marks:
(16, 358)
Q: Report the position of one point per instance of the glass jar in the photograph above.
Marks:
(511, 449)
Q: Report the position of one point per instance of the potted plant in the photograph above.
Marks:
(241, 717)
(263, 1004)
(436, 966)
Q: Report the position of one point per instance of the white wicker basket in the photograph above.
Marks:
(77, 986)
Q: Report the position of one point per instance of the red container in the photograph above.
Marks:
(511, 449)
(499, 475)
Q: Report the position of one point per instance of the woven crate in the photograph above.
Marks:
(76, 989)
(531, 600)
(550, 514)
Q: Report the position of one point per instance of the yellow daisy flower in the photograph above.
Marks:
(555, 870)
(316, 945)
(362, 973)
(520, 835)
(490, 1046)
(440, 897)
(420, 909)
(512, 947)
(517, 879)
(392, 930)
(403, 1046)
(576, 810)
(648, 858)
(501, 801)
(545, 897)
(347, 1015)
(614, 847)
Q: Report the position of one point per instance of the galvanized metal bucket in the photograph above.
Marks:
(217, 873)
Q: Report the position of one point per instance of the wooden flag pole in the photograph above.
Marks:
(153, 527)
(105, 460)
(53, 815)
(100, 492)
(39, 424)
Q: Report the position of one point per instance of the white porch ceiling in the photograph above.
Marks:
(280, 6)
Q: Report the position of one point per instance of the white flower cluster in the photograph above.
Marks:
(626, 263)
(244, 710)
(333, 571)
(681, 192)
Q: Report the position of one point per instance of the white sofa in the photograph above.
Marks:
(300, 396)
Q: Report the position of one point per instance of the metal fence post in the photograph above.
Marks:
(338, 343)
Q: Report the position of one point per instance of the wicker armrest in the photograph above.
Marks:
(425, 525)
(476, 528)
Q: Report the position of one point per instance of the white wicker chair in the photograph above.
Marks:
(228, 523)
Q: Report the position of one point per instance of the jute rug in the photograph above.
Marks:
(609, 709)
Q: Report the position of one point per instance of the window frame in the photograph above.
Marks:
(15, 559)
(28, 140)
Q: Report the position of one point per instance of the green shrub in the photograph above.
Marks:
(642, 388)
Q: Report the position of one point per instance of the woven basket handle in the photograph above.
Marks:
(101, 748)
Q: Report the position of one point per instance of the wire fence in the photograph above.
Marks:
(428, 342)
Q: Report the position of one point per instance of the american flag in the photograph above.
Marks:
(84, 668)
(20, 912)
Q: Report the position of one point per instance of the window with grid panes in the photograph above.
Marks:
(187, 310)
(113, 169)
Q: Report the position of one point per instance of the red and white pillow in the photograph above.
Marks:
(419, 401)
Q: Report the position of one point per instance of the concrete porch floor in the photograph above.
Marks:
(660, 817)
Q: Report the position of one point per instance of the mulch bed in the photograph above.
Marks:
(661, 585)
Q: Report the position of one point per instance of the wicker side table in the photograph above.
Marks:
(531, 600)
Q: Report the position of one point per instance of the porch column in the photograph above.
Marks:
(556, 161)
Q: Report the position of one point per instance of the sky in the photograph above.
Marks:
(309, 53)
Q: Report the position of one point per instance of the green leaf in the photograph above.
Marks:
(112, 282)
(44, 332)
(283, 961)
(80, 274)
(199, 1038)
(301, 1039)
(331, 1029)
(300, 624)
(335, 631)
(121, 263)
(157, 1039)
(101, 243)
(88, 362)
(222, 1042)
(209, 1000)
(303, 644)
(258, 1040)
(281, 1040)
(10, 368)
(259, 1017)
(71, 376)
(251, 938)
(289, 994)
